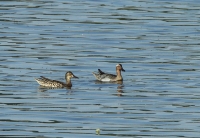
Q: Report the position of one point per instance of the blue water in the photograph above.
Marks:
(157, 42)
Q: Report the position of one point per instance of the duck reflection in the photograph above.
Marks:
(119, 87)
(44, 88)
(120, 90)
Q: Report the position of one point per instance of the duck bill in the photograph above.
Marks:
(75, 76)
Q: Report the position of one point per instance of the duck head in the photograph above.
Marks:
(119, 67)
(70, 75)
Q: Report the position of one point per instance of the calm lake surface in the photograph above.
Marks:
(156, 41)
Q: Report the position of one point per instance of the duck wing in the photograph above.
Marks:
(101, 72)
(49, 83)
(107, 77)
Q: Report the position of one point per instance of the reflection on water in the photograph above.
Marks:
(44, 89)
(119, 86)
(156, 41)
(120, 90)
(114, 82)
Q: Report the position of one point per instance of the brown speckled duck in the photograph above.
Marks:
(102, 76)
(56, 84)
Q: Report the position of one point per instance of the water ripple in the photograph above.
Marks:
(156, 41)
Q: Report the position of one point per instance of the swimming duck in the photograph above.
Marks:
(56, 84)
(102, 76)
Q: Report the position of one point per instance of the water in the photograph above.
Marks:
(157, 42)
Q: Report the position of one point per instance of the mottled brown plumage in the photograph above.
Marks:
(43, 81)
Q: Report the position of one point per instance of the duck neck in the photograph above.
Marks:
(119, 76)
(68, 82)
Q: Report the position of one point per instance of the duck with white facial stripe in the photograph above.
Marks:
(102, 76)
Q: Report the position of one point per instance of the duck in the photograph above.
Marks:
(106, 77)
(43, 81)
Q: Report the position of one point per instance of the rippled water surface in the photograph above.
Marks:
(156, 41)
